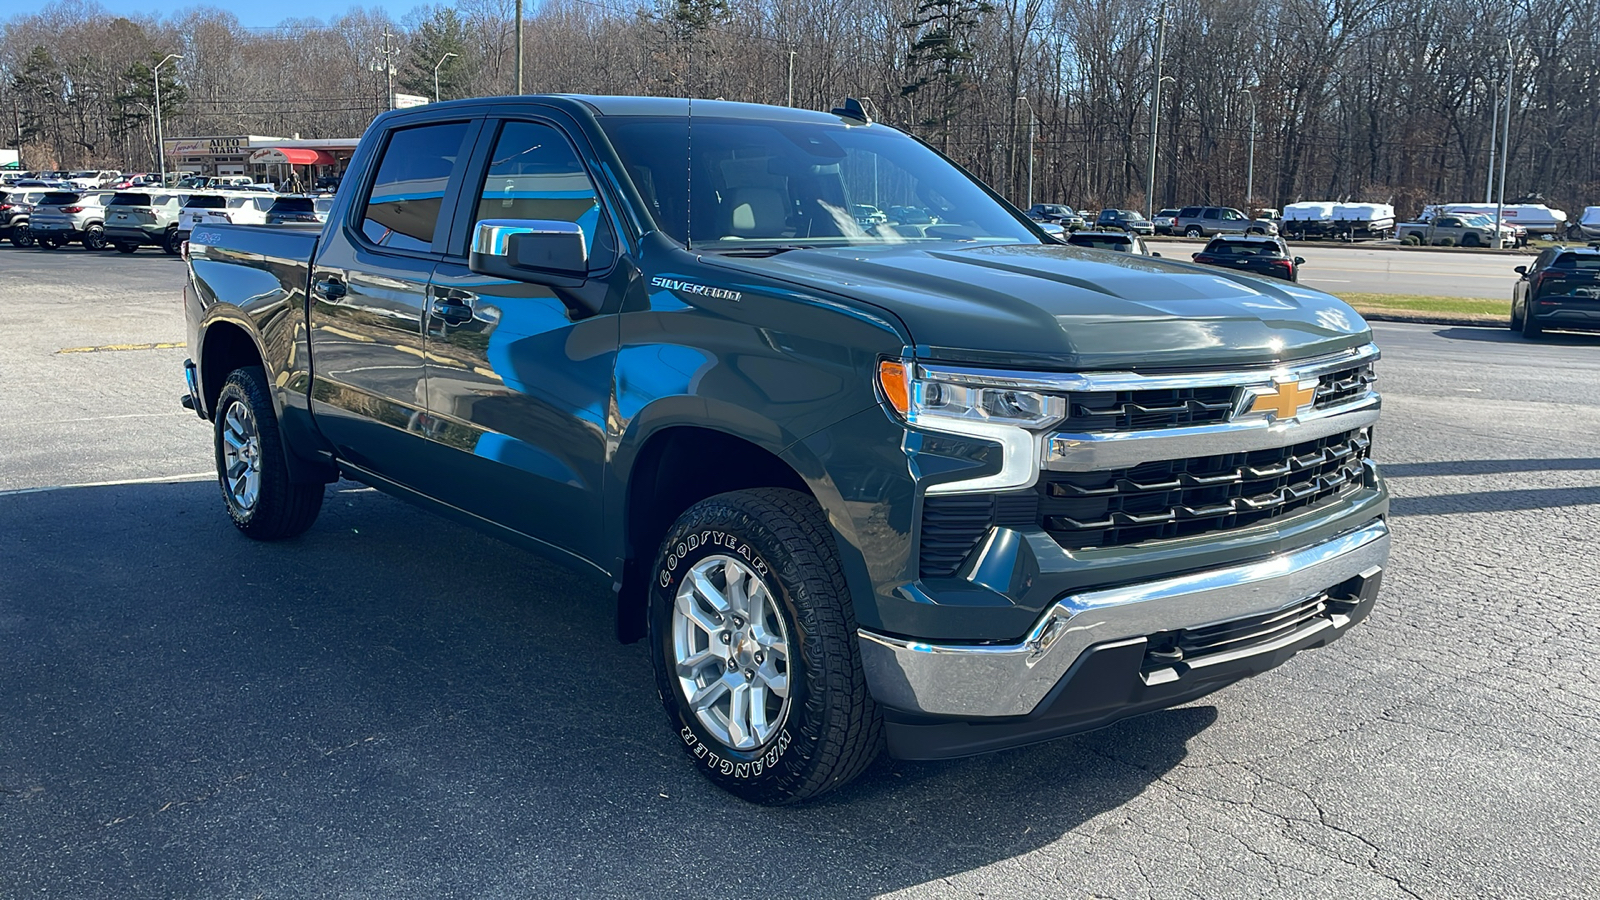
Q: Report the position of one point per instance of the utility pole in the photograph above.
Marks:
(388, 66)
(1023, 99)
(1505, 142)
(1250, 168)
(791, 77)
(1494, 137)
(519, 46)
(161, 145)
(1155, 112)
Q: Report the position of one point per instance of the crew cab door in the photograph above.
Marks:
(519, 372)
(369, 289)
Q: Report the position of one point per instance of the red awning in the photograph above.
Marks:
(299, 156)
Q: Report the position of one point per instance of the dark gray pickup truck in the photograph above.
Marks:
(930, 482)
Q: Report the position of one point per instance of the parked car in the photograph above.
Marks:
(1162, 223)
(1587, 227)
(61, 217)
(136, 219)
(292, 209)
(16, 205)
(1116, 241)
(1066, 216)
(1123, 220)
(233, 207)
(93, 178)
(1560, 290)
(1455, 230)
(1205, 221)
(1258, 254)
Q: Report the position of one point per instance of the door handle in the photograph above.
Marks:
(452, 310)
(332, 288)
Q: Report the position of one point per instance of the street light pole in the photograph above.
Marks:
(1505, 142)
(1250, 169)
(1023, 99)
(436, 75)
(1494, 137)
(519, 47)
(1155, 112)
(161, 144)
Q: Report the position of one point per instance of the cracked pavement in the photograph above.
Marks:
(397, 707)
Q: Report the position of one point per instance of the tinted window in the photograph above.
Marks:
(1189, 212)
(59, 198)
(1210, 213)
(412, 175)
(292, 205)
(535, 174)
(1578, 261)
(1099, 242)
(131, 200)
(206, 201)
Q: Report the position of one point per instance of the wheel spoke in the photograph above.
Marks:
(774, 680)
(738, 599)
(739, 717)
(708, 591)
(702, 619)
(689, 665)
(709, 694)
(231, 439)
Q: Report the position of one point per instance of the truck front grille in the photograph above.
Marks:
(1101, 411)
(1335, 388)
(1186, 497)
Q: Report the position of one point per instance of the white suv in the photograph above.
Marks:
(218, 208)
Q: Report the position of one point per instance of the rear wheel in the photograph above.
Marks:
(1530, 326)
(21, 236)
(94, 237)
(1469, 240)
(1194, 232)
(1516, 317)
(48, 242)
(170, 243)
(251, 468)
(755, 648)
(126, 246)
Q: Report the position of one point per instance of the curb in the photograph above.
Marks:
(1425, 319)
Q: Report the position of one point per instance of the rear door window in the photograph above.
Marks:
(402, 209)
(1211, 214)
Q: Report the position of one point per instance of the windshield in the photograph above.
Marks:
(764, 184)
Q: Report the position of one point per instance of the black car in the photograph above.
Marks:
(1065, 216)
(1560, 290)
(1124, 220)
(1258, 254)
(289, 210)
(15, 206)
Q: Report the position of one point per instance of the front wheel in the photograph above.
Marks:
(755, 648)
(170, 244)
(1194, 232)
(251, 469)
(94, 237)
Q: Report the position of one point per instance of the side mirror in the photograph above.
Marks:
(520, 249)
(1156, 255)
(1299, 260)
(1194, 256)
(1521, 270)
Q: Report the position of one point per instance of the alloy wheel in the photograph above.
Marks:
(241, 456)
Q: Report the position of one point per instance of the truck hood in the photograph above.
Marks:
(1069, 308)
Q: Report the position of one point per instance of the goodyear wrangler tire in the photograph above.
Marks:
(754, 643)
(251, 469)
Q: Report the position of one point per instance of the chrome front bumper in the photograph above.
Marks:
(988, 680)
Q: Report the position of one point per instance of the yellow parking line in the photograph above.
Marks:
(166, 345)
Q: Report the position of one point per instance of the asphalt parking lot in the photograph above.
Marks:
(395, 707)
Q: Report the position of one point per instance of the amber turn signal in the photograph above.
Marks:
(895, 385)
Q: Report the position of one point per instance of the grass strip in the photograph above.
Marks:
(1421, 307)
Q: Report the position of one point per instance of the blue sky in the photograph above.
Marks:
(257, 14)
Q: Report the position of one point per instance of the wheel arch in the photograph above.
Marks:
(679, 464)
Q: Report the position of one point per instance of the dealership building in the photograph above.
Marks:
(259, 156)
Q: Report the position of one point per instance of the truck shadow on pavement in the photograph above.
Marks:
(396, 706)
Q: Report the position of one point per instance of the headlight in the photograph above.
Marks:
(974, 404)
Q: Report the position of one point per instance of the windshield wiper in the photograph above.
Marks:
(773, 250)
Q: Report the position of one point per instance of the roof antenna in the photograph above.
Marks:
(688, 178)
(852, 109)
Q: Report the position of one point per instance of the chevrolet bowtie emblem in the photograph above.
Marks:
(1288, 400)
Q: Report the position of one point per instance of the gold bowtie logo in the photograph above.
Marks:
(1288, 400)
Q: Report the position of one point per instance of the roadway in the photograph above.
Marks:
(1392, 270)
(393, 706)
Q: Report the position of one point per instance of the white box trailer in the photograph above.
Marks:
(1535, 218)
